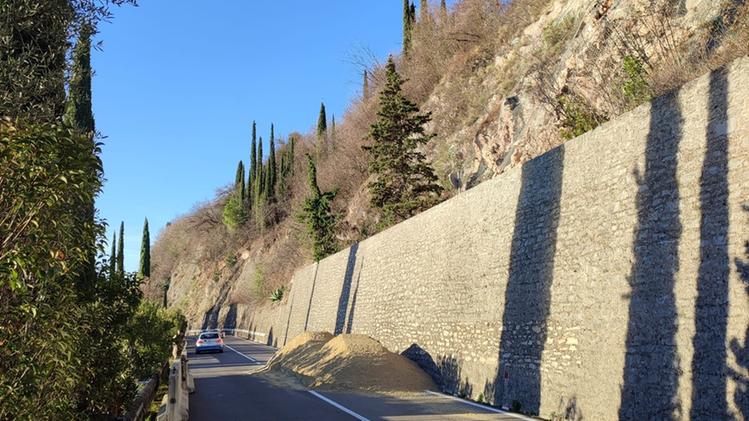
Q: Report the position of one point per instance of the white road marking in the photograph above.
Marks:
(339, 406)
(484, 407)
(246, 356)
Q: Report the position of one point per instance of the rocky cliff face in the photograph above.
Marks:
(576, 64)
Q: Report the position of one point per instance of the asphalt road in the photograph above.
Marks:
(226, 390)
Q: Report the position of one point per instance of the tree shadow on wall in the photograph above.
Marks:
(651, 369)
(567, 410)
(210, 318)
(230, 321)
(711, 305)
(741, 353)
(446, 373)
(517, 382)
(345, 290)
(271, 339)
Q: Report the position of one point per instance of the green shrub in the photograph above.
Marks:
(235, 213)
(277, 295)
(635, 87)
(578, 116)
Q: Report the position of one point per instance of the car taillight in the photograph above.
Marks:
(220, 341)
(200, 341)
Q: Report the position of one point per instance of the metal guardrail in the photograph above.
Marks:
(232, 332)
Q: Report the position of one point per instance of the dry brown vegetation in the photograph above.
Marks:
(571, 64)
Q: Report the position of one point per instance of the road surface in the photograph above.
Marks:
(226, 390)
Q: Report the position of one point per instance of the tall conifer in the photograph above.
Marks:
(365, 86)
(113, 257)
(145, 252)
(239, 186)
(407, 26)
(322, 123)
(317, 213)
(252, 173)
(404, 182)
(121, 250)
(272, 177)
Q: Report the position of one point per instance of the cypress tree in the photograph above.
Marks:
(424, 11)
(252, 173)
(145, 252)
(113, 257)
(365, 86)
(318, 215)
(407, 25)
(443, 10)
(121, 250)
(260, 187)
(322, 123)
(80, 117)
(78, 110)
(292, 141)
(239, 181)
(268, 182)
(272, 177)
(404, 182)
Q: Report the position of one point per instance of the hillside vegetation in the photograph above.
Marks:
(499, 84)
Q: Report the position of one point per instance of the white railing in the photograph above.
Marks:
(175, 406)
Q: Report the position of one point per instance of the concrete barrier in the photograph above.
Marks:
(176, 406)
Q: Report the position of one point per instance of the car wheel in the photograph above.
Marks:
(221, 350)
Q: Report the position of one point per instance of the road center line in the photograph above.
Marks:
(478, 405)
(246, 356)
(339, 406)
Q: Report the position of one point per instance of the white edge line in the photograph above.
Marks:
(246, 356)
(339, 406)
(478, 405)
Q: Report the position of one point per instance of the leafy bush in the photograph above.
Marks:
(277, 295)
(150, 335)
(577, 116)
(635, 87)
(235, 213)
(556, 34)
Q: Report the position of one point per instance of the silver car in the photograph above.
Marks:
(209, 341)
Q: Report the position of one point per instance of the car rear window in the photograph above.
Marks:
(209, 336)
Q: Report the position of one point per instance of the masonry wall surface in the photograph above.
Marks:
(602, 280)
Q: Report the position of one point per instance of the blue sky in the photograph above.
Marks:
(179, 82)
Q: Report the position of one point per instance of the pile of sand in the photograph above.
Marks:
(348, 362)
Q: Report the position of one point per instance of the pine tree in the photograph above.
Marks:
(145, 252)
(407, 26)
(365, 86)
(239, 181)
(322, 123)
(121, 250)
(113, 257)
(404, 182)
(318, 215)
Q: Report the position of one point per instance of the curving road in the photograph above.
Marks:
(226, 390)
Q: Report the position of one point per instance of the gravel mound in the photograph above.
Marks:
(348, 362)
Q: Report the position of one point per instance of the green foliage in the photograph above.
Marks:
(252, 175)
(121, 250)
(113, 257)
(145, 252)
(404, 182)
(317, 214)
(235, 213)
(230, 259)
(270, 188)
(408, 23)
(635, 86)
(79, 112)
(150, 334)
(577, 116)
(322, 123)
(239, 186)
(277, 294)
(259, 281)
